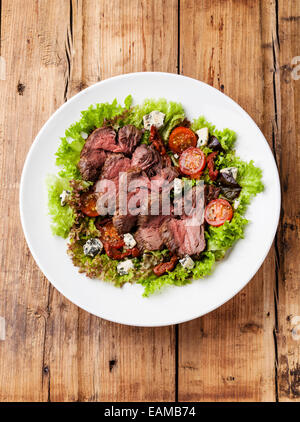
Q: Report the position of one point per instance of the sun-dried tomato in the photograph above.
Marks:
(213, 174)
(163, 267)
(156, 141)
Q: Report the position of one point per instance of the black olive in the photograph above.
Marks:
(226, 179)
(214, 143)
(230, 193)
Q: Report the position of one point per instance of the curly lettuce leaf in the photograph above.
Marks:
(200, 123)
(101, 266)
(174, 114)
(179, 276)
(226, 137)
(220, 239)
(249, 177)
(62, 217)
(68, 153)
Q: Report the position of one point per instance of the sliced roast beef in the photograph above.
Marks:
(90, 163)
(107, 191)
(93, 153)
(102, 138)
(191, 203)
(148, 239)
(148, 235)
(163, 178)
(124, 223)
(183, 237)
(115, 164)
(132, 193)
(148, 159)
(129, 137)
(138, 188)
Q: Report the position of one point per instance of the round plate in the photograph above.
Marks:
(174, 304)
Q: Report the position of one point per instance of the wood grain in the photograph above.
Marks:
(288, 238)
(53, 350)
(229, 354)
(249, 349)
(32, 44)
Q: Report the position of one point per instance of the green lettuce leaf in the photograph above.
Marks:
(220, 239)
(174, 114)
(62, 217)
(179, 276)
(68, 153)
(249, 177)
(101, 266)
(226, 137)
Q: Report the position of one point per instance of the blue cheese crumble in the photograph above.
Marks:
(92, 247)
(124, 267)
(64, 196)
(129, 240)
(155, 118)
(187, 262)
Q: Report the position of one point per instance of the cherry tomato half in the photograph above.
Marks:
(217, 212)
(182, 138)
(192, 162)
(88, 207)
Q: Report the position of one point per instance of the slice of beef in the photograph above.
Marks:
(211, 192)
(93, 153)
(183, 237)
(163, 178)
(102, 138)
(138, 188)
(124, 223)
(148, 159)
(191, 203)
(148, 239)
(154, 221)
(168, 236)
(107, 191)
(115, 164)
(129, 137)
(133, 186)
(148, 235)
(194, 240)
(90, 163)
(156, 204)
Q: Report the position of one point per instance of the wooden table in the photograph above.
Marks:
(249, 349)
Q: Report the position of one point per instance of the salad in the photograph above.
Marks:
(146, 196)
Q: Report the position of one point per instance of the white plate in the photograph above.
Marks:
(174, 304)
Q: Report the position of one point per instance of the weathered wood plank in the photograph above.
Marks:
(288, 239)
(91, 359)
(32, 44)
(53, 351)
(230, 354)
